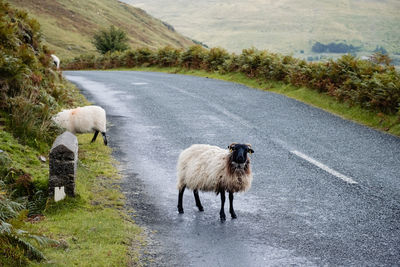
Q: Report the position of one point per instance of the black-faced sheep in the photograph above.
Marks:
(83, 120)
(210, 168)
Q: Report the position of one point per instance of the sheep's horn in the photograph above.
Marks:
(249, 145)
(231, 145)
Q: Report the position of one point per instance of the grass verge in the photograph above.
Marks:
(379, 121)
(94, 228)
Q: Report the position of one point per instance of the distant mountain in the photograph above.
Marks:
(288, 26)
(68, 25)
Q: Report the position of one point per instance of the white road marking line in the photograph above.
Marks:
(139, 83)
(324, 167)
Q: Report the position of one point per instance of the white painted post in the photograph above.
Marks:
(59, 193)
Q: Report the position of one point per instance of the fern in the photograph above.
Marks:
(37, 205)
(18, 238)
(15, 237)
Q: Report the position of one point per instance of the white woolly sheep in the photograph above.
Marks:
(210, 168)
(83, 120)
(56, 61)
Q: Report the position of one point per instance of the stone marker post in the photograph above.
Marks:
(63, 159)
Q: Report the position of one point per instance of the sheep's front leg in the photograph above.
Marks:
(180, 199)
(232, 212)
(222, 212)
(104, 138)
(94, 136)
(197, 198)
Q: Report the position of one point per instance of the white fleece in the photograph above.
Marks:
(82, 119)
(204, 167)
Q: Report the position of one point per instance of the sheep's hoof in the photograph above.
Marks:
(222, 217)
(201, 208)
(233, 215)
(180, 210)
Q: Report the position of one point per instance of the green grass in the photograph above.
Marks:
(94, 224)
(24, 159)
(376, 120)
(93, 228)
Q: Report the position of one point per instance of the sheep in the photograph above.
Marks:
(56, 61)
(211, 168)
(83, 120)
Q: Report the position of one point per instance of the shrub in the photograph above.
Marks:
(215, 58)
(193, 57)
(144, 56)
(371, 84)
(29, 88)
(168, 56)
(110, 40)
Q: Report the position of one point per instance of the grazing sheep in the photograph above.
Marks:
(210, 168)
(56, 61)
(83, 120)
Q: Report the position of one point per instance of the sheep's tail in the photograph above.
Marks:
(180, 184)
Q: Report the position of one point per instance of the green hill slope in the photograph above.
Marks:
(68, 25)
(285, 26)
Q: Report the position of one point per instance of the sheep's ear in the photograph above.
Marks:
(249, 150)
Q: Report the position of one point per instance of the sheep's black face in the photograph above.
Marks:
(239, 153)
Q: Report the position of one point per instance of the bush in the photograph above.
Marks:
(193, 57)
(215, 58)
(110, 40)
(168, 56)
(30, 90)
(371, 84)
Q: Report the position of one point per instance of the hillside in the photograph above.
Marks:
(286, 26)
(68, 25)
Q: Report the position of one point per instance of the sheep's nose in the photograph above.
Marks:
(240, 159)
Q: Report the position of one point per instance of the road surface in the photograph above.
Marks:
(326, 191)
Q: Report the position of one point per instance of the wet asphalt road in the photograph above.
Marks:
(326, 191)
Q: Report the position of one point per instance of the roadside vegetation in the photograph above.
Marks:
(367, 91)
(110, 40)
(91, 229)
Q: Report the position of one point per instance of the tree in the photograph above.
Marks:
(380, 49)
(113, 39)
(318, 48)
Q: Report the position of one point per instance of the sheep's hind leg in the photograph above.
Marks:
(94, 136)
(180, 199)
(197, 198)
(222, 212)
(104, 138)
(232, 212)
